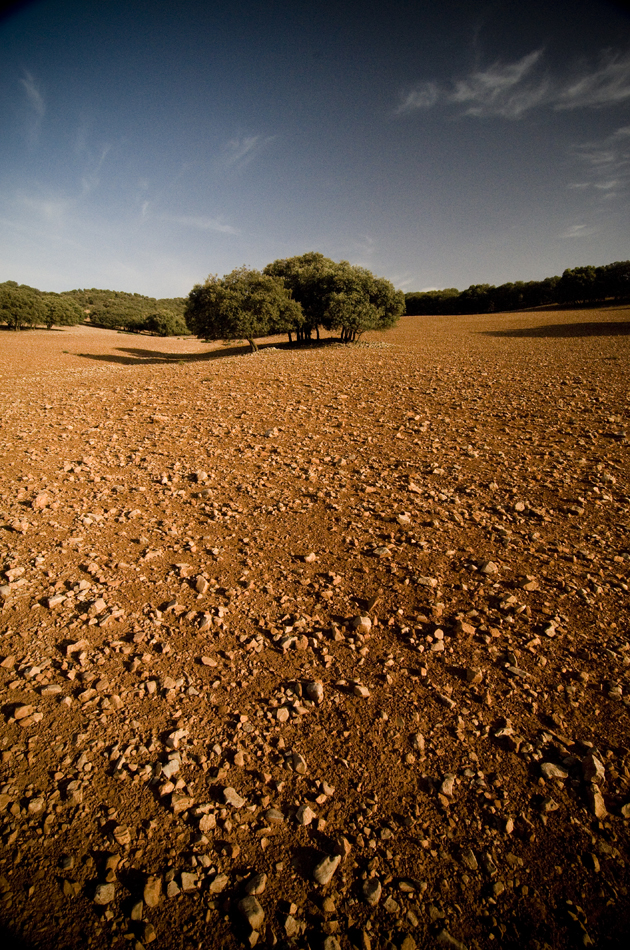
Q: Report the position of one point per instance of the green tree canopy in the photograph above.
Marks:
(241, 305)
(20, 305)
(60, 311)
(338, 296)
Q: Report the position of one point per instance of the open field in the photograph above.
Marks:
(351, 611)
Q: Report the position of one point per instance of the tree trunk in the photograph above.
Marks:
(317, 332)
(252, 344)
(290, 338)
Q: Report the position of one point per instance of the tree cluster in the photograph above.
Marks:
(298, 295)
(22, 306)
(135, 313)
(580, 285)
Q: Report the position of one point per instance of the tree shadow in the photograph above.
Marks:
(11, 941)
(141, 357)
(565, 330)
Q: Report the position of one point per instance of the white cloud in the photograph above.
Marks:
(51, 210)
(239, 152)
(91, 179)
(201, 223)
(510, 90)
(607, 85)
(506, 90)
(607, 163)
(423, 96)
(577, 231)
(34, 95)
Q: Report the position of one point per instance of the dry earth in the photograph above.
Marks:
(317, 648)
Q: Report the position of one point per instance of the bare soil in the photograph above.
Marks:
(360, 609)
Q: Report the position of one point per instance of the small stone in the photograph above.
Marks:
(391, 906)
(361, 624)
(251, 910)
(21, 712)
(189, 881)
(172, 889)
(325, 869)
(219, 883)
(36, 806)
(136, 911)
(488, 567)
(591, 861)
(170, 768)
(552, 771)
(256, 884)
(596, 802)
(152, 891)
(181, 802)
(447, 786)
(592, 769)
(473, 676)
(305, 815)
(70, 889)
(445, 939)
(314, 690)
(207, 823)
(231, 797)
(299, 763)
(361, 691)
(104, 894)
(201, 585)
(463, 629)
(372, 890)
(417, 742)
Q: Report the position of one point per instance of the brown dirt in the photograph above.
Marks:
(461, 482)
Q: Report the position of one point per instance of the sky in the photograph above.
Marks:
(145, 144)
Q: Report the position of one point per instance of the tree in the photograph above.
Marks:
(20, 305)
(338, 296)
(60, 311)
(167, 323)
(241, 305)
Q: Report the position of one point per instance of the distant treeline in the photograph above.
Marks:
(117, 310)
(581, 285)
(24, 306)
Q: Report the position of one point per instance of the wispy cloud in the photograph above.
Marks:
(239, 152)
(34, 95)
(605, 164)
(607, 85)
(91, 179)
(36, 102)
(510, 90)
(48, 208)
(201, 223)
(578, 231)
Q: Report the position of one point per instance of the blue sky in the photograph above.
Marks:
(144, 145)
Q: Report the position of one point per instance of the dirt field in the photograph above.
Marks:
(317, 648)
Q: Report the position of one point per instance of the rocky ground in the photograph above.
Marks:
(318, 648)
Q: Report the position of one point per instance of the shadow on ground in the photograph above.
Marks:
(135, 356)
(10, 941)
(566, 330)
